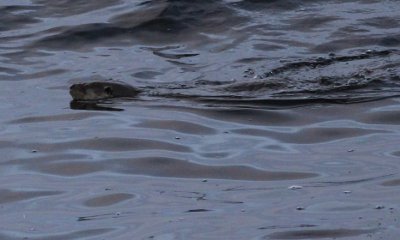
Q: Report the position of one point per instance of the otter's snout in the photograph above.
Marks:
(77, 91)
(94, 91)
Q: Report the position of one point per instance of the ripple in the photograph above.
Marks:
(107, 200)
(310, 135)
(109, 144)
(317, 234)
(169, 167)
(9, 14)
(178, 126)
(67, 235)
(60, 117)
(11, 196)
(391, 183)
(69, 169)
(75, 7)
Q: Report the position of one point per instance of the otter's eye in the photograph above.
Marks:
(108, 90)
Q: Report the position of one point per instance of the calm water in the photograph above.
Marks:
(258, 120)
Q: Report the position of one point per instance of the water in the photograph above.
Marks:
(241, 100)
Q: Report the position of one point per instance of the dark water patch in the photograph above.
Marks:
(292, 101)
(14, 17)
(202, 16)
(288, 226)
(337, 206)
(89, 233)
(233, 202)
(346, 181)
(357, 42)
(175, 55)
(5, 72)
(267, 47)
(199, 210)
(146, 74)
(64, 8)
(37, 160)
(390, 41)
(254, 86)
(216, 155)
(178, 126)
(58, 164)
(382, 22)
(342, 32)
(114, 215)
(163, 18)
(170, 167)
(12, 196)
(317, 234)
(391, 183)
(198, 196)
(309, 135)
(396, 153)
(205, 82)
(70, 169)
(77, 105)
(12, 38)
(382, 117)
(77, 37)
(184, 65)
(148, 10)
(277, 148)
(60, 117)
(272, 5)
(310, 22)
(252, 116)
(108, 200)
(111, 144)
(251, 60)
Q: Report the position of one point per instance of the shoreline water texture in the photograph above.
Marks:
(257, 120)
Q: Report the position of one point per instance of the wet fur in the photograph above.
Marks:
(102, 90)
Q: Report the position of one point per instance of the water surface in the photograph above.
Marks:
(258, 120)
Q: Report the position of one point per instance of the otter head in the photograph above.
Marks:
(91, 91)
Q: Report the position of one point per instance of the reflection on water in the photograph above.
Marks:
(241, 100)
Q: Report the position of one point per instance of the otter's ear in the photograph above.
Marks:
(108, 90)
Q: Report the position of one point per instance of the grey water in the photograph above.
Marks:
(259, 119)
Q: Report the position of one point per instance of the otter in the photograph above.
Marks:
(278, 84)
(102, 90)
